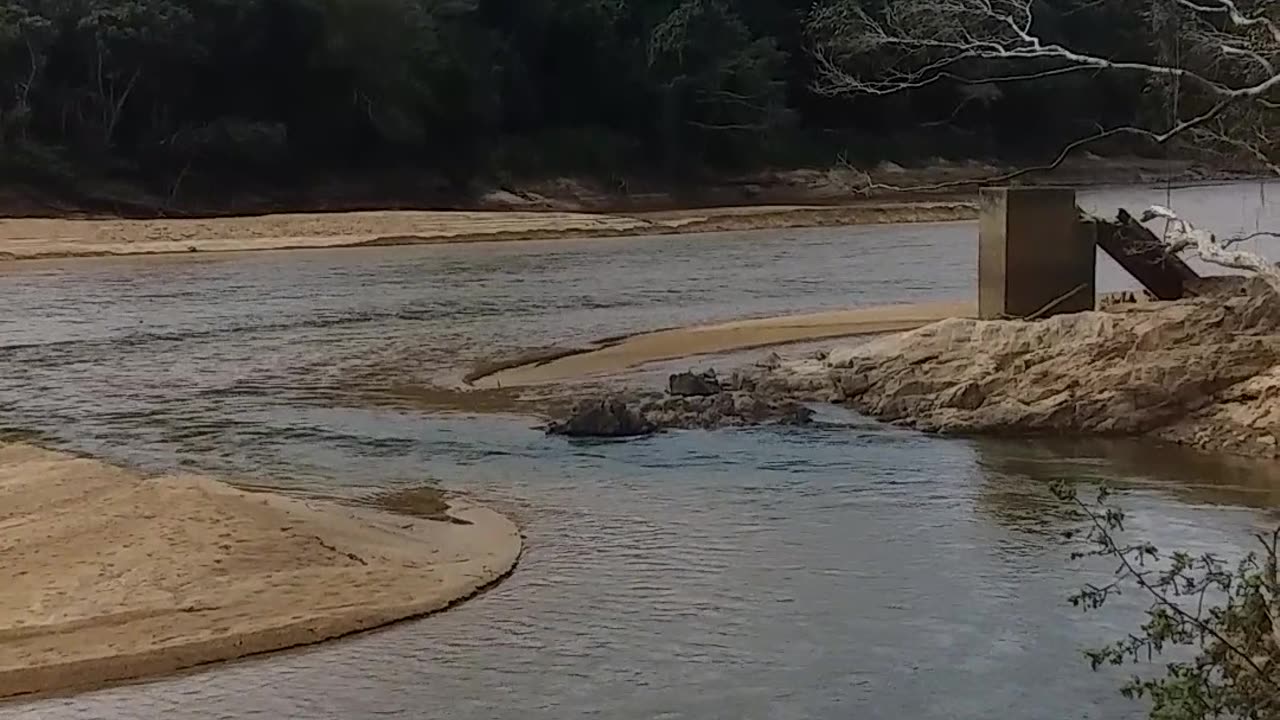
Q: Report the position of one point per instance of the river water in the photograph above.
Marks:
(856, 571)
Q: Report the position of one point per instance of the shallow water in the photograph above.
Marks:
(857, 571)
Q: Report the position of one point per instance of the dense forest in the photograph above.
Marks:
(490, 88)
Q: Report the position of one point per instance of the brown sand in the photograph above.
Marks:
(36, 238)
(617, 356)
(111, 576)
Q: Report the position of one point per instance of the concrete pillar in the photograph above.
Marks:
(1033, 258)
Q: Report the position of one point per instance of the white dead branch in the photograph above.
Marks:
(1225, 69)
(1181, 237)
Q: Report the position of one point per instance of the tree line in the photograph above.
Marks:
(484, 87)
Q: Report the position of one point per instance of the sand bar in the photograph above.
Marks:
(29, 238)
(617, 356)
(109, 575)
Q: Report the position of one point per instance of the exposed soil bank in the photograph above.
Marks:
(111, 576)
(49, 238)
(611, 357)
(1203, 372)
(933, 179)
(348, 211)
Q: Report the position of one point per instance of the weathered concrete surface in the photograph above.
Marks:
(1032, 256)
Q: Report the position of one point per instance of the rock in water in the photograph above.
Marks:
(726, 409)
(603, 417)
(691, 384)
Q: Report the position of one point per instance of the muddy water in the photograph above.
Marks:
(859, 571)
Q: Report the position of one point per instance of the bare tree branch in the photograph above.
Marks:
(1182, 236)
(1228, 58)
(1062, 156)
(929, 37)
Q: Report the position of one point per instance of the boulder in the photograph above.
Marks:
(603, 417)
(691, 384)
(772, 361)
(727, 409)
(629, 414)
(809, 380)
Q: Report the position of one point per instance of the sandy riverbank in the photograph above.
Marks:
(27, 238)
(612, 357)
(111, 576)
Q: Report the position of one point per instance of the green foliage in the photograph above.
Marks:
(474, 86)
(1219, 616)
(721, 88)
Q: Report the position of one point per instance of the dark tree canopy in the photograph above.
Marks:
(472, 88)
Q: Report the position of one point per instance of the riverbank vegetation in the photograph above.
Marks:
(1211, 620)
(186, 94)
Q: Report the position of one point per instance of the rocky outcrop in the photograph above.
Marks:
(693, 401)
(693, 384)
(801, 380)
(1204, 372)
(726, 409)
(603, 417)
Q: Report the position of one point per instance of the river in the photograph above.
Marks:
(857, 571)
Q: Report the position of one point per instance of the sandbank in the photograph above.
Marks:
(614, 356)
(111, 576)
(31, 238)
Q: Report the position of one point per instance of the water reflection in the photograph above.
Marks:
(1194, 477)
(751, 574)
(862, 571)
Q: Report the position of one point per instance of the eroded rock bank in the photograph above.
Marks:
(109, 575)
(1203, 372)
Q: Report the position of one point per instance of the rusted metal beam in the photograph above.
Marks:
(1142, 255)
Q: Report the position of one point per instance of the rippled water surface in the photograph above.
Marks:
(855, 571)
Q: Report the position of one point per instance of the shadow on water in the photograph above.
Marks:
(1017, 475)
(1192, 476)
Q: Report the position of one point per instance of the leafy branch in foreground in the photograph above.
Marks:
(1221, 617)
